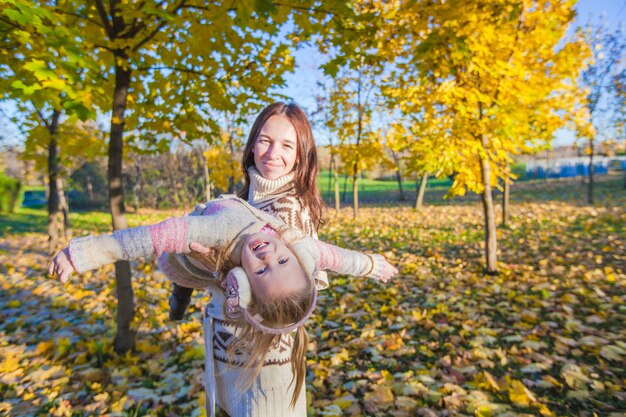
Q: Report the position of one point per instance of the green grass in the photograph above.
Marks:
(375, 191)
(608, 191)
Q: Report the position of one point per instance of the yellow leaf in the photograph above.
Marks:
(10, 364)
(340, 357)
(492, 381)
(519, 394)
(580, 395)
(44, 347)
(545, 411)
(379, 399)
(345, 401)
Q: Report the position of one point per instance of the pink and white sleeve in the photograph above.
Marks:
(346, 261)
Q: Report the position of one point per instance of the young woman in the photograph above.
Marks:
(280, 173)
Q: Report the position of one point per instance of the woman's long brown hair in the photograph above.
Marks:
(305, 179)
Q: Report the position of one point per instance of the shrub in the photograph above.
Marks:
(9, 193)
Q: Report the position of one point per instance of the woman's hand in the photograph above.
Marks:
(61, 265)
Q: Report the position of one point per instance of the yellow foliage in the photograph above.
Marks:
(519, 394)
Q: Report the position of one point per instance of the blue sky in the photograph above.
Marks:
(300, 86)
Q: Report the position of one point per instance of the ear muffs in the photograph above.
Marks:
(238, 291)
(239, 297)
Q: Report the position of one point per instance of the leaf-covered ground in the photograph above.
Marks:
(545, 337)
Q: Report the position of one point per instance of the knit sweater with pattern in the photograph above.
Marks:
(278, 197)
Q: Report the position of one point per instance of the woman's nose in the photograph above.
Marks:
(272, 151)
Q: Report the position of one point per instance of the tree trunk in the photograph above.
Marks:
(336, 181)
(331, 170)
(491, 244)
(355, 192)
(345, 188)
(53, 194)
(398, 174)
(231, 179)
(64, 209)
(590, 187)
(125, 338)
(141, 196)
(207, 178)
(419, 198)
(505, 202)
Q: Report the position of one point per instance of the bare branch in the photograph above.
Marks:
(158, 28)
(41, 116)
(67, 13)
(11, 23)
(105, 18)
(177, 69)
(304, 9)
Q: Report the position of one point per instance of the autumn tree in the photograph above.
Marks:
(43, 74)
(493, 79)
(395, 142)
(352, 103)
(321, 118)
(603, 95)
(163, 66)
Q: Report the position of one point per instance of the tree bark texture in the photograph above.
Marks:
(421, 190)
(54, 223)
(336, 186)
(355, 196)
(505, 201)
(491, 244)
(125, 337)
(398, 174)
(64, 209)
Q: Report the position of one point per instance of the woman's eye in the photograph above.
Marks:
(288, 146)
(283, 261)
(261, 271)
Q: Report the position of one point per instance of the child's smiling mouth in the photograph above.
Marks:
(258, 245)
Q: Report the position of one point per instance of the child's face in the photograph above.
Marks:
(272, 268)
(276, 148)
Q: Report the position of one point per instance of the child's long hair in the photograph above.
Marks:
(305, 179)
(276, 312)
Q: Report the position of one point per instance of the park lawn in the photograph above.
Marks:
(544, 337)
(374, 190)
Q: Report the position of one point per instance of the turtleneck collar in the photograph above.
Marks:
(263, 190)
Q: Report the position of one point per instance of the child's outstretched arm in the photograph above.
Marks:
(173, 236)
(346, 261)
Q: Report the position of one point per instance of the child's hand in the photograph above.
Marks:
(382, 270)
(203, 254)
(61, 265)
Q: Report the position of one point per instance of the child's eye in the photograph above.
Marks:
(261, 271)
(283, 261)
(288, 146)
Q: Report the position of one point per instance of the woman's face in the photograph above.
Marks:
(276, 148)
(272, 268)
